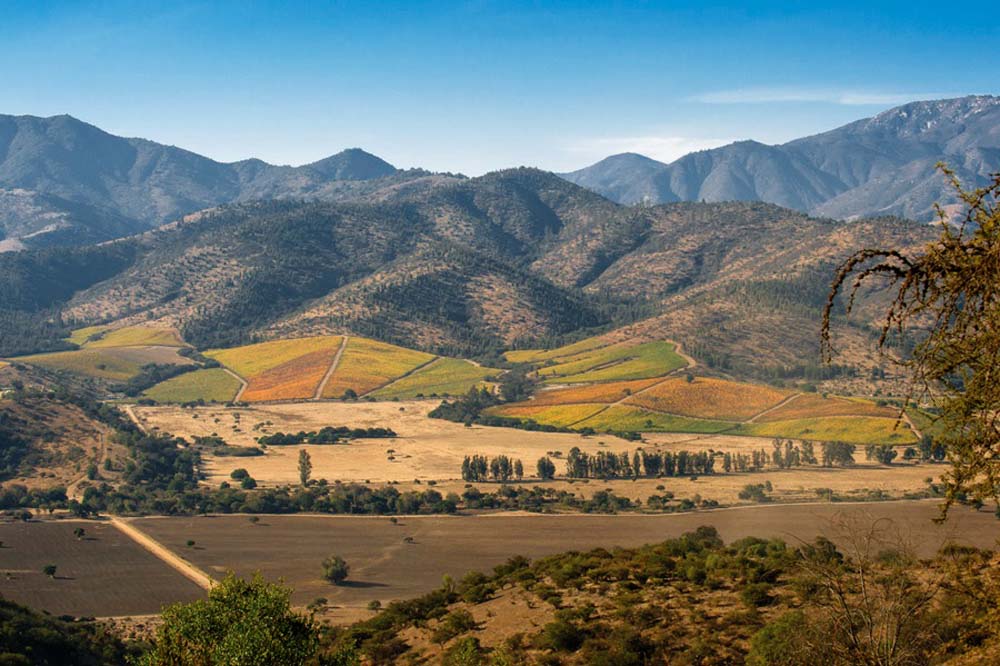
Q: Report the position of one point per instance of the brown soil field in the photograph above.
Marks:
(432, 450)
(103, 574)
(385, 567)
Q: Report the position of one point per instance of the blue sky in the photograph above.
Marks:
(475, 86)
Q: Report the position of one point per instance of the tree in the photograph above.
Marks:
(546, 468)
(241, 622)
(884, 453)
(305, 467)
(951, 286)
(335, 569)
(49, 570)
(518, 469)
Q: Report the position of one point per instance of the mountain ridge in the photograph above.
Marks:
(883, 165)
(144, 182)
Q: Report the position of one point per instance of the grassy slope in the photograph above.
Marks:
(134, 336)
(93, 363)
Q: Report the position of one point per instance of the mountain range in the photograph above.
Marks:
(64, 181)
(466, 267)
(883, 165)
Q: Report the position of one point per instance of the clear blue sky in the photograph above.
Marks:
(481, 85)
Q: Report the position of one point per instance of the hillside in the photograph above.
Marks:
(877, 166)
(63, 181)
(461, 268)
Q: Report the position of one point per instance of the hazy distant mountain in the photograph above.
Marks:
(131, 185)
(877, 166)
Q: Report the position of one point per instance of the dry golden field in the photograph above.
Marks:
(432, 450)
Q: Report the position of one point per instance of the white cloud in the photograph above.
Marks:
(828, 96)
(662, 148)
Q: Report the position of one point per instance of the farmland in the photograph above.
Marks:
(281, 369)
(445, 376)
(87, 362)
(853, 429)
(367, 365)
(709, 398)
(104, 573)
(131, 336)
(811, 405)
(209, 384)
(616, 362)
(542, 355)
(592, 393)
(383, 567)
(622, 418)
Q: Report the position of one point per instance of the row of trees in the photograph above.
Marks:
(500, 468)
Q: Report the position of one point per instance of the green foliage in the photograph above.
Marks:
(242, 622)
(335, 569)
(28, 638)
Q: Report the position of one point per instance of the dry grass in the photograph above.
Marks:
(809, 405)
(602, 393)
(210, 385)
(252, 360)
(709, 398)
(80, 335)
(443, 377)
(367, 364)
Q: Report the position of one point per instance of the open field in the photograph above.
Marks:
(432, 450)
(210, 385)
(297, 379)
(106, 573)
(131, 336)
(445, 376)
(384, 567)
(616, 362)
(708, 398)
(367, 365)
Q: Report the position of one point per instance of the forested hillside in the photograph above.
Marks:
(463, 267)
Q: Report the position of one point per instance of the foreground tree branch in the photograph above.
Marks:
(948, 296)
